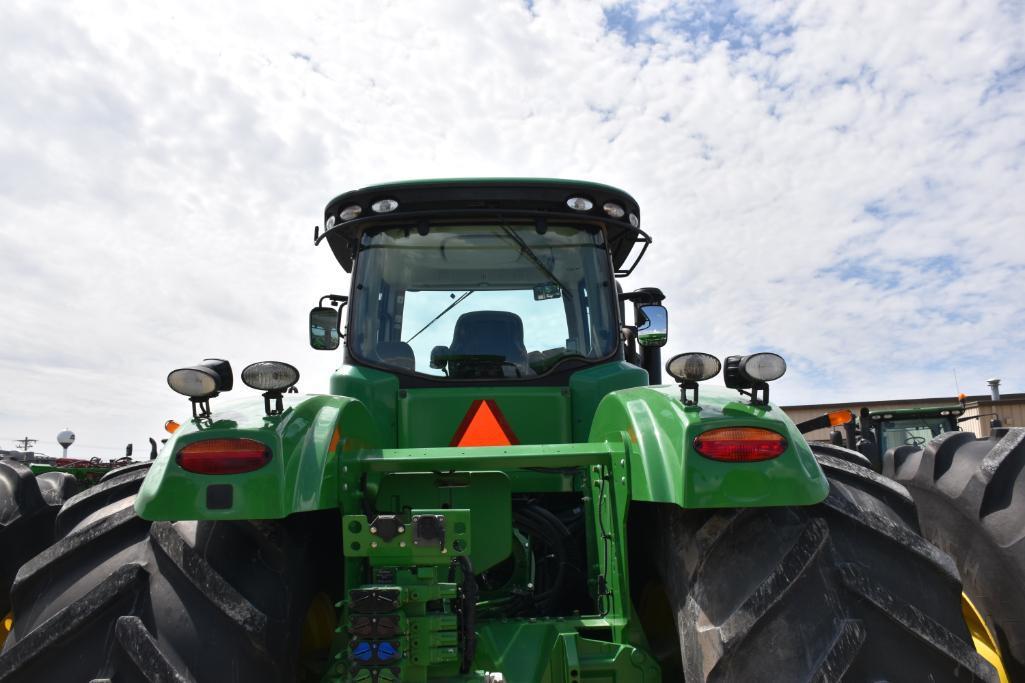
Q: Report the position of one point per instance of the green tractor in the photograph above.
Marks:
(875, 432)
(497, 487)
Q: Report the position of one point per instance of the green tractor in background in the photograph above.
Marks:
(496, 488)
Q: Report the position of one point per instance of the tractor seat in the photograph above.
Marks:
(489, 333)
(397, 354)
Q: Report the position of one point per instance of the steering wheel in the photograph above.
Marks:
(915, 441)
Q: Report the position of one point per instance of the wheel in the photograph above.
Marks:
(853, 457)
(28, 505)
(971, 503)
(842, 590)
(121, 598)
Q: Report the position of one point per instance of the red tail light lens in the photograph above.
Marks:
(740, 444)
(224, 456)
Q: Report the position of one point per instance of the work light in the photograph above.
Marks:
(273, 378)
(269, 375)
(579, 204)
(690, 368)
(384, 205)
(693, 367)
(350, 212)
(754, 372)
(201, 383)
(614, 210)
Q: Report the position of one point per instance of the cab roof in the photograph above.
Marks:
(434, 199)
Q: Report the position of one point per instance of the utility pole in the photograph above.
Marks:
(26, 443)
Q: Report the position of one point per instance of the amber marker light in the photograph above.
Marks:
(224, 456)
(840, 417)
(740, 444)
(171, 426)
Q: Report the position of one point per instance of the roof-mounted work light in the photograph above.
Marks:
(690, 368)
(201, 383)
(274, 379)
(753, 373)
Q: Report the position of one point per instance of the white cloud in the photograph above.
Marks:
(162, 167)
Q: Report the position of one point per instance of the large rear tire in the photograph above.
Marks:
(971, 503)
(28, 506)
(842, 590)
(121, 598)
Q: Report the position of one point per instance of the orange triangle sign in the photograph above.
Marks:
(484, 425)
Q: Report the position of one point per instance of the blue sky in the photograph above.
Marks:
(838, 182)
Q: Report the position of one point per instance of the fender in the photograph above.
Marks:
(307, 442)
(659, 432)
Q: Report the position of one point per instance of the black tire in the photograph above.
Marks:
(853, 457)
(28, 505)
(126, 468)
(121, 598)
(842, 590)
(971, 503)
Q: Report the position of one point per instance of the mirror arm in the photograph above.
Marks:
(335, 300)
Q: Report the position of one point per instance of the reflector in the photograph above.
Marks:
(223, 456)
(740, 444)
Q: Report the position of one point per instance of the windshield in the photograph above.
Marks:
(913, 432)
(482, 301)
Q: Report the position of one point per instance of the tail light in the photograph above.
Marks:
(224, 456)
(740, 444)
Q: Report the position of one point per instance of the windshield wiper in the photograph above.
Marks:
(524, 249)
(435, 319)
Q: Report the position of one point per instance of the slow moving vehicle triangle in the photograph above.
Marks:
(484, 425)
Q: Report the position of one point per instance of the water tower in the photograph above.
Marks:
(65, 439)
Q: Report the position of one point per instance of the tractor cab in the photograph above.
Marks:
(508, 285)
(911, 426)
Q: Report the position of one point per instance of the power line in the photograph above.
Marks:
(78, 444)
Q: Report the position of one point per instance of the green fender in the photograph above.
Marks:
(307, 441)
(665, 468)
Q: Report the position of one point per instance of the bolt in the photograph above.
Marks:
(373, 529)
(345, 487)
(402, 544)
(444, 551)
(402, 529)
(373, 544)
(622, 461)
(345, 468)
(622, 480)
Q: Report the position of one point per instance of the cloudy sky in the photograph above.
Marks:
(841, 182)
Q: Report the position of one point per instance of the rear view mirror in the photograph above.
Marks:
(324, 328)
(652, 325)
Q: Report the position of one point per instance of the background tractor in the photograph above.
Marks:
(497, 487)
